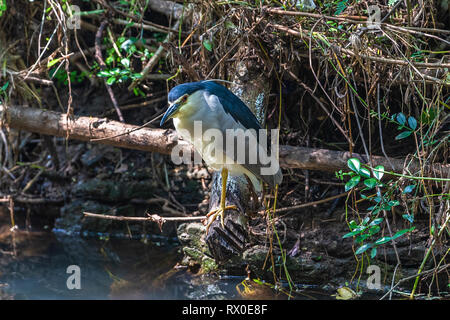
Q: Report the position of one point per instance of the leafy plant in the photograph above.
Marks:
(366, 230)
(3, 89)
(119, 67)
(408, 125)
(61, 76)
(341, 6)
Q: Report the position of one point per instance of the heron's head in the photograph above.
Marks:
(180, 99)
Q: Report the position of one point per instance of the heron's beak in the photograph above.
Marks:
(173, 108)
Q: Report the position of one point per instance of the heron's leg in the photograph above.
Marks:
(223, 197)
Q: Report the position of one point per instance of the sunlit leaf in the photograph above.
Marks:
(354, 164)
(383, 240)
(376, 221)
(352, 183)
(111, 80)
(53, 62)
(364, 172)
(125, 62)
(363, 248)
(377, 172)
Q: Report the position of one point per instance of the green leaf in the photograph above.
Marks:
(354, 164)
(352, 183)
(373, 230)
(104, 74)
(111, 80)
(373, 253)
(401, 118)
(53, 62)
(409, 188)
(376, 221)
(351, 234)
(364, 172)
(412, 122)
(392, 2)
(383, 240)
(366, 219)
(341, 6)
(361, 238)
(377, 173)
(207, 44)
(363, 248)
(408, 217)
(375, 212)
(353, 224)
(3, 88)
(403, 135)
(125, 62)
(394, 203)
(402, 232)
(370, 183)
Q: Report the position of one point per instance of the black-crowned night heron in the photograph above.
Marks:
(225, 133)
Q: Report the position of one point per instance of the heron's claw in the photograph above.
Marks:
(218, 212)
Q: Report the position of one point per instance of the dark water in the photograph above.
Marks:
(36, 267)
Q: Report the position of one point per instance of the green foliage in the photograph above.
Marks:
(365, 232)
(391, 3)
(3, 92)
(2, 7)
(208, 44)
(340, 7)
(119, 67)
(61, 76)
(408, 125)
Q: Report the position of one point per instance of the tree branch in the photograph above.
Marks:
(163, 141)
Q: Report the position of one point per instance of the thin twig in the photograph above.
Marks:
(99, 58)
(152, 218)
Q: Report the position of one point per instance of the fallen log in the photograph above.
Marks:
(115, 133)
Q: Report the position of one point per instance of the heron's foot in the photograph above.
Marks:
(218, 212)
